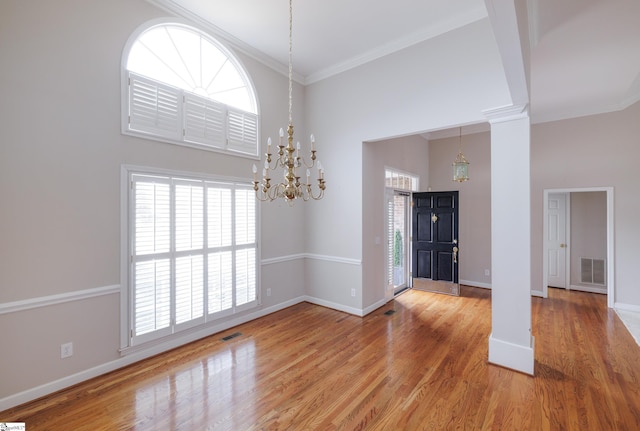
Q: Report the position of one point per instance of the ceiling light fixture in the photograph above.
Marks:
(460, 165)
(291, 188)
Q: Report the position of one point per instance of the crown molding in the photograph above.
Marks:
(507, 113)
(428, 33)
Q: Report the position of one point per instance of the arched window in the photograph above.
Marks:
(184, 87)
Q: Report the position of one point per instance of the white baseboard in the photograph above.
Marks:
(512, 356)
(334, 305)
(627, 307)
(374, 307)
(475, 284)
(590, 289)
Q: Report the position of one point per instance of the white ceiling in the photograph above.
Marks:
(585, 54)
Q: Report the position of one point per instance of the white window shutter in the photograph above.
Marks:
(220, 284)
(154, 108)
(204, 121)
(152, 217)
(189, 216)
(152, 296)
(193, 252)
(189, 290)
(245, 276)
(242, 131)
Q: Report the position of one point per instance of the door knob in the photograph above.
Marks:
(455, 254)
(563, 245)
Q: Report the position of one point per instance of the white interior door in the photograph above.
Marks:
(557, 251)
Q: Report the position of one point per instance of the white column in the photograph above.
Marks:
(511, 343)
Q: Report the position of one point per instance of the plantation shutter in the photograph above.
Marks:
(245, 236)
(220, 241)
(167, 112)
(204, 121)
(151, 261)
(154, 108)
(242, 131)
(189, 242)
(390, 236)
(193, 252)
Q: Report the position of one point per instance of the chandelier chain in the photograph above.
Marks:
(288, 157)
(290, 62)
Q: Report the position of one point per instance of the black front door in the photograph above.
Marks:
(435, 242)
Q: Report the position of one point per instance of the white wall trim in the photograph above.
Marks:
(513, 356)
(292, 257)
(506, 113)
(60, 298)
(475, 284)
(281, 259)
(627, 307)
(373, 307)
(590, 289)
(335, 306)
(335, 259)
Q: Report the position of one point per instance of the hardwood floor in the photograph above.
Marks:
(423, 367)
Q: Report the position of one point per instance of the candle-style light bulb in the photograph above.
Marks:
(313, 141)
(269, 145)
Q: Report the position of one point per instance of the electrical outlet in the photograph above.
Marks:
(353, 292)
(269, 291)
(487, 272)
(66, 350)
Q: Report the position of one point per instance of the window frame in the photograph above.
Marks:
(128, 340)
(179, 135)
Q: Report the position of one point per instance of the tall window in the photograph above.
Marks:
(193, 252)
(182, 86)
(399, 186)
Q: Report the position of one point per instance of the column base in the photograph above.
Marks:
(513, 356)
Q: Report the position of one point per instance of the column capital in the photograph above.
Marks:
(507, 113)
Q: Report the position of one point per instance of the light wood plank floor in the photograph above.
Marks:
(424, 367)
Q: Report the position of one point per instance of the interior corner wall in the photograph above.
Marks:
(407, 154)
(474, 200)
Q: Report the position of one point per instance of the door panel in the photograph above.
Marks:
(556, 240)
(435, 233)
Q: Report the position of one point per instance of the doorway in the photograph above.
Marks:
(435, 242)
(552, 241)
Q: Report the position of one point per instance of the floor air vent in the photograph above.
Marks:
(231, 336)
(389, 312)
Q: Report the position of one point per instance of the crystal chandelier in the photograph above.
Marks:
(460, 165)
(290, 188)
